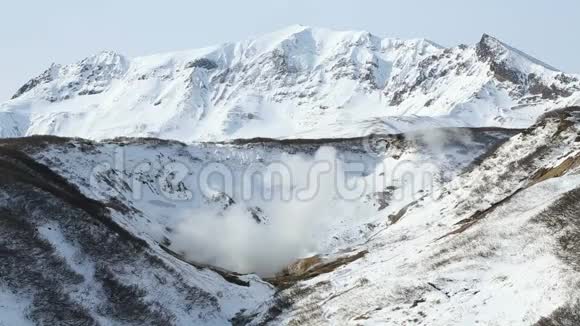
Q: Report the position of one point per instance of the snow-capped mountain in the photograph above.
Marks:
(299, 82)
(304, 177)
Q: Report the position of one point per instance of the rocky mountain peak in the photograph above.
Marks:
(45, 77)
(490, 48)
(88, 76)
(105, 58)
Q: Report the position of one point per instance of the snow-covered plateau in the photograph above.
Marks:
(304, 177)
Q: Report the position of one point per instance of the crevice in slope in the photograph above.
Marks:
(309, 268)
(228, 276)
(479, 215)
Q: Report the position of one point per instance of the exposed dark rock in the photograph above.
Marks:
(382, 199)
(90, 92)
(202, 63)
(222, 199)
(488, 50)
(485, 48)
(43, 78)
(257, 214)
(394, 218)
(552, 92)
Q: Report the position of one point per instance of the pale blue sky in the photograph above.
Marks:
(34, 34)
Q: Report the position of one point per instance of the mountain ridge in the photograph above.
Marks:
(299, 82)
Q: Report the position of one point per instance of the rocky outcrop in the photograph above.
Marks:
(89, 76)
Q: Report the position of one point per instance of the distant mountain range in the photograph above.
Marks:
(299, 82)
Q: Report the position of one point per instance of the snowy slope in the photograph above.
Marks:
(67, 261)
(138, 173)
(128, 177)
(495, 246)
(491, 240)
(299, 82)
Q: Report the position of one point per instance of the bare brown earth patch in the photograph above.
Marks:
(308, 268)
(544, 174)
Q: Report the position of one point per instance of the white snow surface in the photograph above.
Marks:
(504, 269)
(13, 309)
(299, 82)
(139, 173)
(304, 82)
